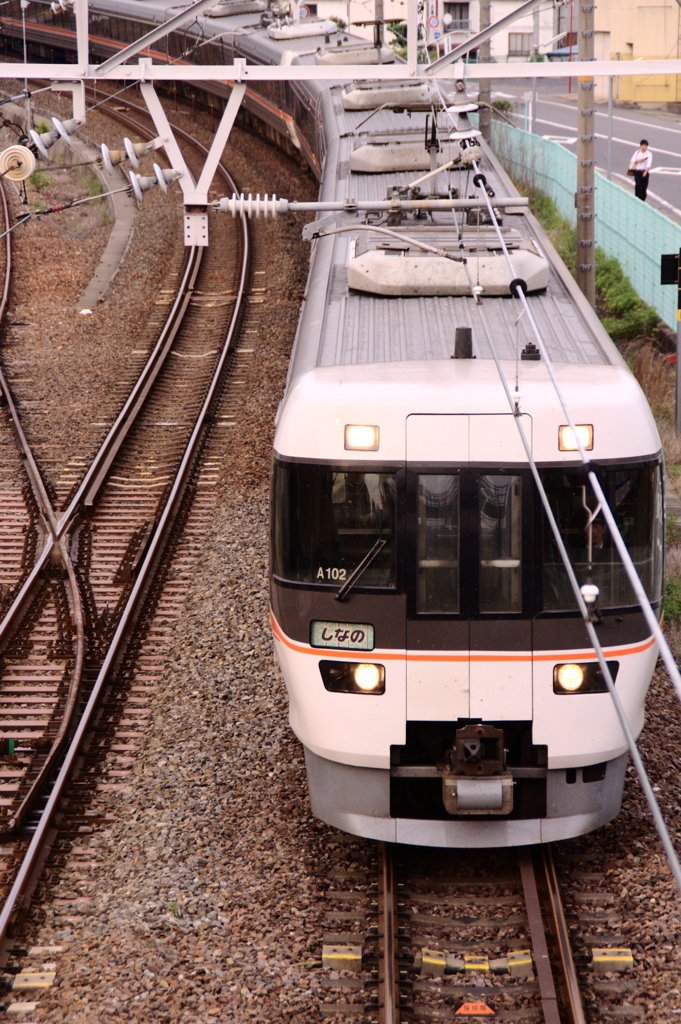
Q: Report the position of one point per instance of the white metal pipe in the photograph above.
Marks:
(271, 206)
(241, 71)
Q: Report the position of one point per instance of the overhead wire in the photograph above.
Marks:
(627, 562)
(644, 780)
(629, 567)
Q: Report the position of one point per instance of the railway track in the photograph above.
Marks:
(21, 492)
(70, 615)
(116, 740)
(436, 937)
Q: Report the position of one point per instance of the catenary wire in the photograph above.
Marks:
(627, 562)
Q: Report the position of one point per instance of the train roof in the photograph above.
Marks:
(364, 327)
(345, 320)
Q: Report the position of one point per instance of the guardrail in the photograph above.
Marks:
(635, 233)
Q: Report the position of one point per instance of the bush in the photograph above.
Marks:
(626, 316)
(501, 105)
(40, 179)
(672, 599)
(623, 314)
(92, 184)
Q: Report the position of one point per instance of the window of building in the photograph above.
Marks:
(519, 44)
(455, 17)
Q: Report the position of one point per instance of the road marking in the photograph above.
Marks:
(598, 113)
(656, 150)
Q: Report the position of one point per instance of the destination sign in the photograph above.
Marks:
(343, 636)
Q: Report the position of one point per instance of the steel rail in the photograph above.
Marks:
(96, 474)
(47, 767)
(35, 480)
(34, 857)
(540, 950)
(388, 982)
(56, 546)
(570, 981)
(50, 549)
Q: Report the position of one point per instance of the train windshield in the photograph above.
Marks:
(634, 495)
(327, 521)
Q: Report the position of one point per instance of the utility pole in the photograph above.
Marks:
(585, 198)
(485, 89)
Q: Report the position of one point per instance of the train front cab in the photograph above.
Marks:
(430, 693)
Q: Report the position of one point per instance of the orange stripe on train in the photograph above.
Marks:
(585, 655)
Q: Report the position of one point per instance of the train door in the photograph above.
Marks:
(499, 552)
(437, 633)
(468, 634)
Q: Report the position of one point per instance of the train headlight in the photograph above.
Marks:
(368, 677)
(586, 677)
(352, 677)
(567, 442)
(361, 438)
(569, 677)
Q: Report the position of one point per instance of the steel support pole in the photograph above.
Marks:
(585, 197)
(610, 92)
(485, 86)
(535, 54)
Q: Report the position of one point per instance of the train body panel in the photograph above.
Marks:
(455, 411)
(440, 675)
(358, 800)
(326, 722)
(485, 685)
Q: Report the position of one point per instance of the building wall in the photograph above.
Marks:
(638, 30)
(625, 30)
(528, 32)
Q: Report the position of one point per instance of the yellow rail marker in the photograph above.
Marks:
(433, 962)
(28, 980)
(475, 963)
(342, 958)
(21, 1008)
(520, 963)
(611, 959)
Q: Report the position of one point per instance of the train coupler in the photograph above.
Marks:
(474, 779)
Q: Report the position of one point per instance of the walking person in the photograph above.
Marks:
(640, 164)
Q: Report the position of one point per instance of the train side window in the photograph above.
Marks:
(325, 521)
(437, 547)
(634, 494)
(500, 524)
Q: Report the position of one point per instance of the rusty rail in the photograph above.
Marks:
(34, 858)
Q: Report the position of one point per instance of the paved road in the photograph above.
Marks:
(554, 115)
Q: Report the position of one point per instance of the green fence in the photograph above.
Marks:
(632, 231)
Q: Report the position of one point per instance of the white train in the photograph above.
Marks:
(439, 673)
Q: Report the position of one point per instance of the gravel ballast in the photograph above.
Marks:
(207, 902)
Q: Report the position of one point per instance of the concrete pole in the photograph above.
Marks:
(485, 89)
(378, 29)
(535, 55)
(678, 346)
(585, 196)
(609, 167)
